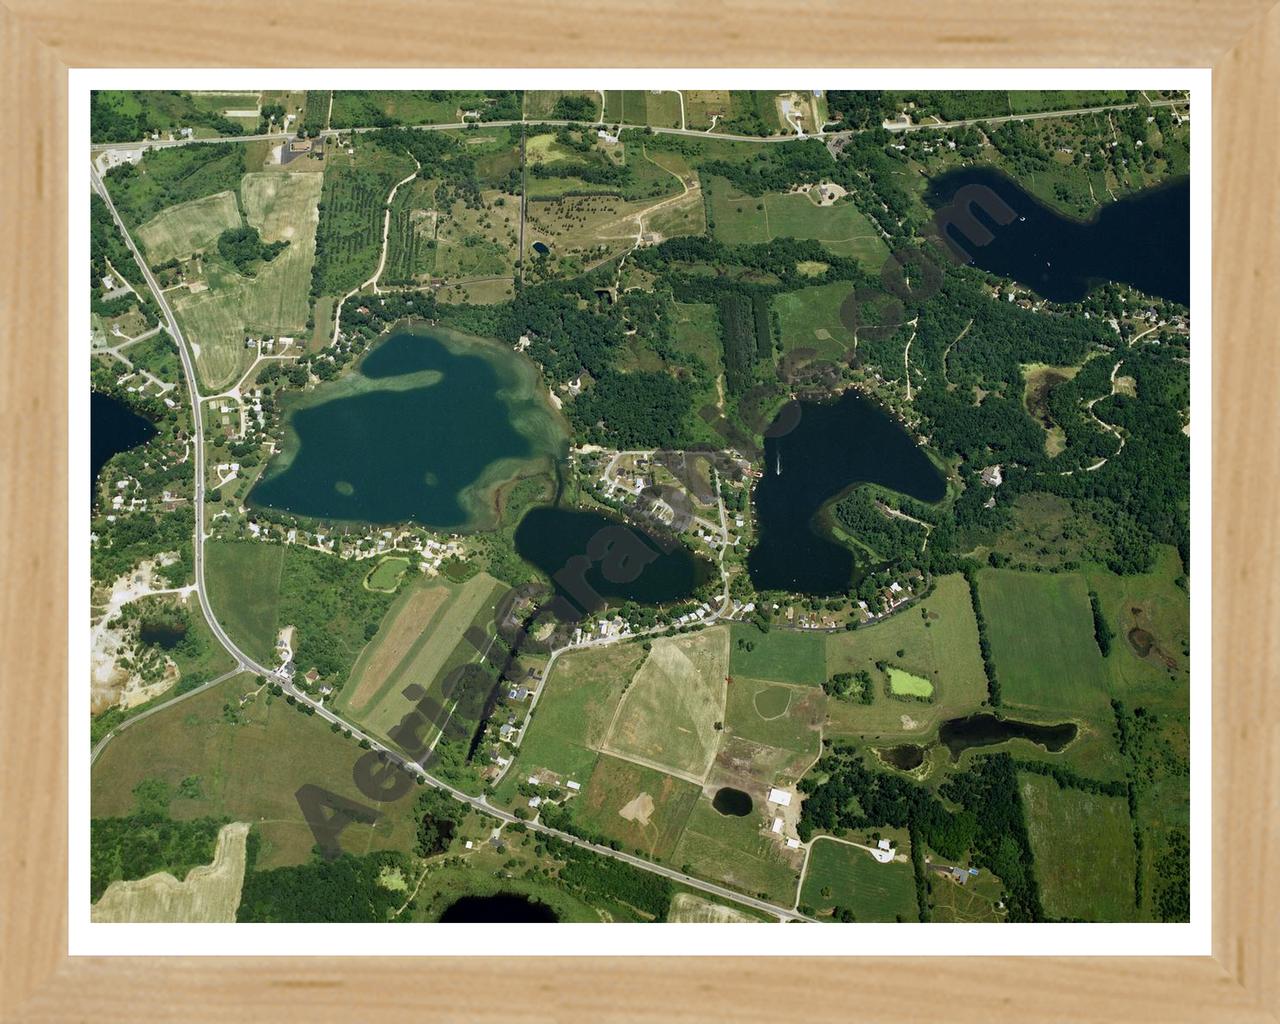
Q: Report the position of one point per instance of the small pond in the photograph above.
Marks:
(905, 757)
(161, 634)
(502, 908)
(541, 248)
(732, 802)
(959, 734)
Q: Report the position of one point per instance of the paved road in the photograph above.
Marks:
(247, 664)
(100, 147)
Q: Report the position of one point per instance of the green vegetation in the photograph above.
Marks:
(1083, 846)
(243, 247)
(786, 656)
(167, 177)
(903, 683)
(348, 889)
(633, 807)
(850, 885)
(125, 116)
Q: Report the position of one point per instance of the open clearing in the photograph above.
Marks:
(250, 761)
(784, 655)
(641, 808)
(405, 623)
(667, 717)
(275, 302)
(945, 652)
(243, 578)
(575, 710)
(840, 875)
(210, 893)
(788, 717)
(686, 908)
(386, 575)
(841, 227)
(1042, 641)
(187, 228)
(810, 319)
(1083, 848)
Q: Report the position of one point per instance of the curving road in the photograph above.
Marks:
(247, 664)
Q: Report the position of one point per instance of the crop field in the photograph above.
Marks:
(1042, 641)
(668, 714)
(249, 762)
(740, 852)
(637, 106)
(387, 574)
(641, 808)
(1083, 848)
(841, 228)
(783, 655)
(436, 651)
(945, 652)
(243, 578)
(405, 624)
(179, 231)
(905, 684)
(209, 894)
(853, 879)
(775, 714)
(283, 207)
(575, 710)
(811, 319)
(349, 236)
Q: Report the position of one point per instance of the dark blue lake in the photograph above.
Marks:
(832, 446)
(113, 428)
(1143, 240)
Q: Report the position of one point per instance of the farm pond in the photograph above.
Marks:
(984, 730)
(502, 908)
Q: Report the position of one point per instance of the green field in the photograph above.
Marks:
(243, 578)
(248, 763)
(787, 717)
(638, 106)
(575, 710)
(905, 684)
(811, 319)
(386, 575)
(784, 655)
(841, 227)
(1083, 848)
(283, 207)
(739, 852)
(363, 107)
(643, 809)
(541, 103)
(855, 880)
(669, 711)
(179, 231)
(945, 652)
(1042, 641)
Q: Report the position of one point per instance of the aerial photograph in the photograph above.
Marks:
(639, 506)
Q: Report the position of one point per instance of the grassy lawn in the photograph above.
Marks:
(243, 578)
(943, 652)
(179, 231)
(810, 319)
(783, 655)
(1083, 848)
(695, 331)
(840, 875)
(643, 809)
(386, 575)
(575, 710)
(1042, 641)
(669, 711)
(248, 763)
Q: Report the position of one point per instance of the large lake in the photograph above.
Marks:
(1143, 240)
(832, 446)
(113, 428)
(423, 430)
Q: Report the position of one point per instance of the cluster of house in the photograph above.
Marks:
(265, 345)
(367, 544)
(895, 594)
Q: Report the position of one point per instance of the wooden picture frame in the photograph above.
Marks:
(41, 39)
